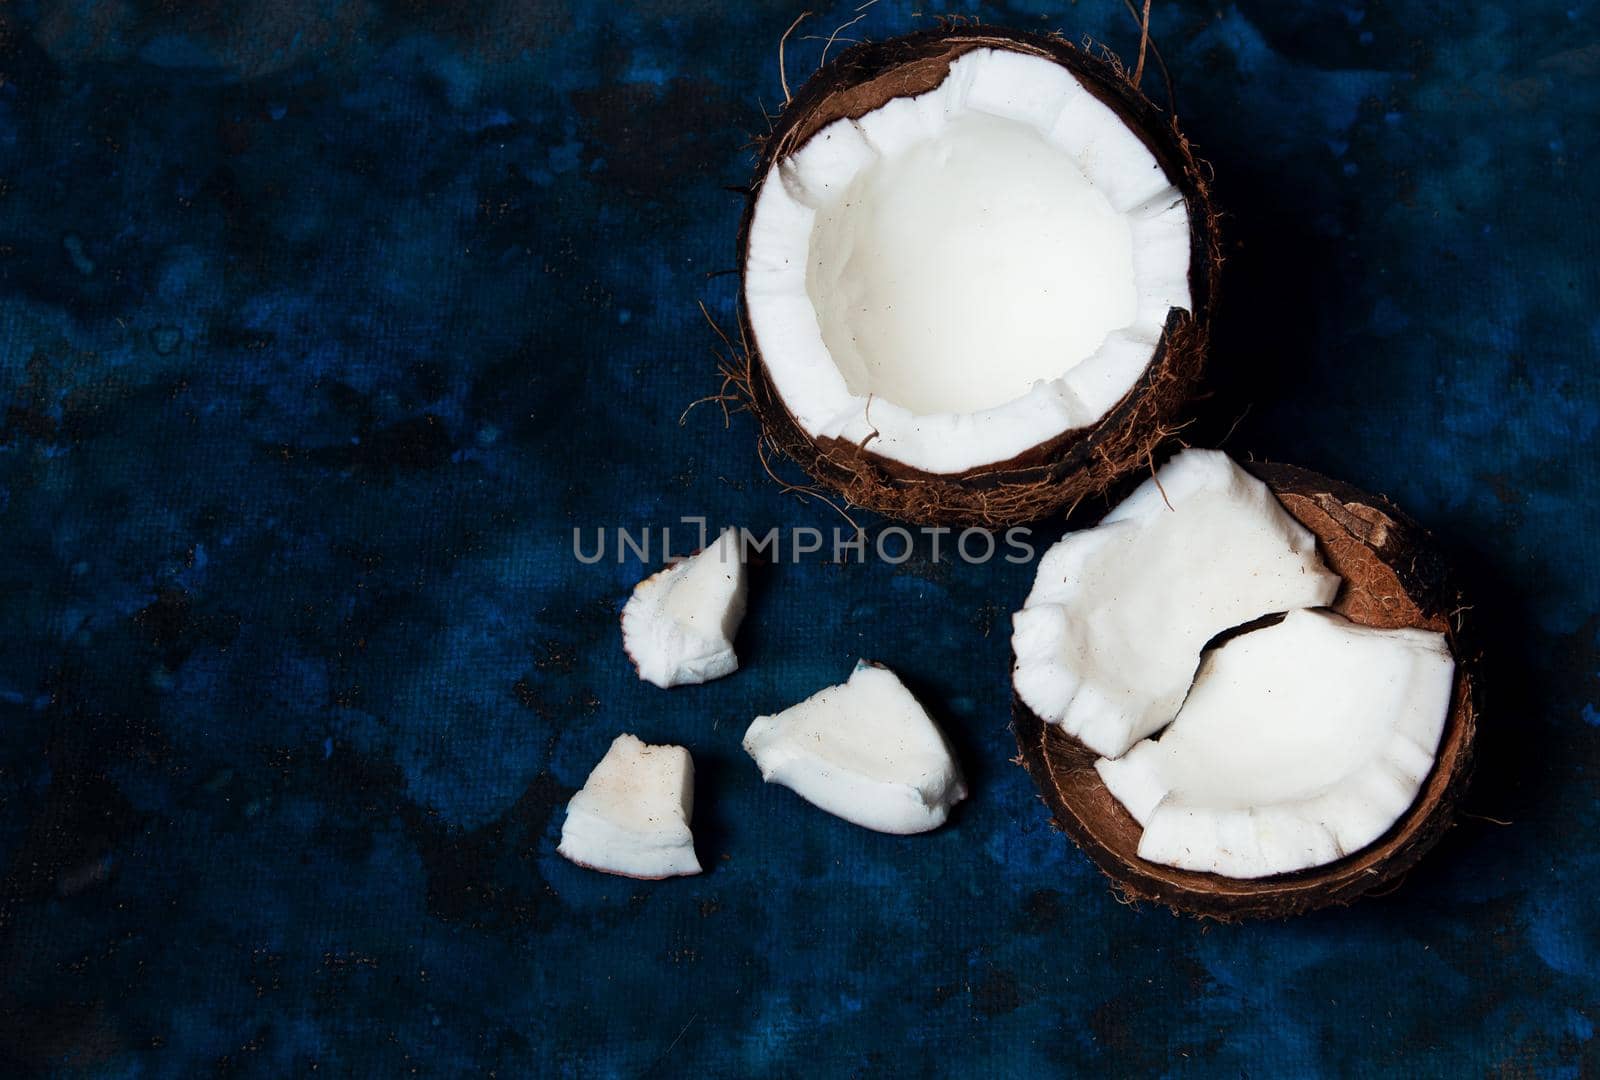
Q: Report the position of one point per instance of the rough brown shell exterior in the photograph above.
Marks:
(1393, 578)
(1075, 465)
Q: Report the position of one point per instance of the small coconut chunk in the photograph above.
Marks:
(1300, 743)
(632, 815)
(679, 624)
(1108, 641)
(866, 751)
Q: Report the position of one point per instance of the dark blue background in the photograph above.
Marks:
(322, 325)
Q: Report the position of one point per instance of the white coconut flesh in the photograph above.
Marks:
(866, 751)
(632, 815)
(1109, 638)
(679, 624)
(1300, 743)
(968, 273)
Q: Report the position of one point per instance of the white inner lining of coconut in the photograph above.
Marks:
(866, 751)
(631, 817)
(678, 626)
(1300, 743)
(1109, 638)
(968, 273)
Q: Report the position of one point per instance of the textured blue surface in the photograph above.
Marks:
(321, 326)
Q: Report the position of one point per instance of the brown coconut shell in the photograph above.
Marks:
(1076, 464)
(1393, 577)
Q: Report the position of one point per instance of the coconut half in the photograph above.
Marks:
(866, 751)
(977, 274)
(679, 624)
(1300, 742)
(1393, 580)
(631, 817)
(1108, 641)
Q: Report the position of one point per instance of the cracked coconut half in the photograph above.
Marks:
(632, 815)
(1240, 693)
(866, 751)
(678, 626)
(977, 271)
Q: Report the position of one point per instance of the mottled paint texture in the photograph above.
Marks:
(321, 326)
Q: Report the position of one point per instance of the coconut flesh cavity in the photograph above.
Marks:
(963, 275)
(632, 815)
(866, 751)
(679, 624)
(1109, 638)
(1300, 743)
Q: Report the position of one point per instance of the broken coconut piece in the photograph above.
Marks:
(1300, 743)
(679, 624)
(977, 273)
(1108, 641)
(632, 815)
(1394, 578)
(865, 751)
